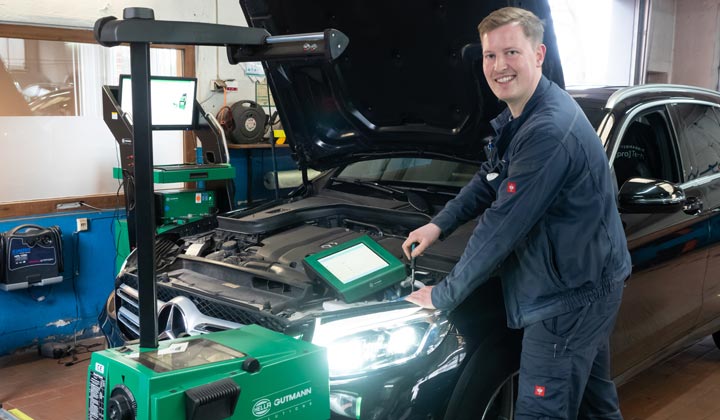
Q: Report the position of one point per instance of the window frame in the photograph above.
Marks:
(671, 153)
(104, 201)
(685, 151)
(644, 109)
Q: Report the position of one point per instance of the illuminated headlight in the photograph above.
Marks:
(365, 343)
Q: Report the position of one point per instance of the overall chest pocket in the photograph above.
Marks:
(496, 170)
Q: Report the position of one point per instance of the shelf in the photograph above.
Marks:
(163, 174)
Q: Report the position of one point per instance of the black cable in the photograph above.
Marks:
(75, 274)
(84, 204)
(76, 350)
(270, 107)
(40, 298)
(116, 213)
(116, 218)
(74, 362)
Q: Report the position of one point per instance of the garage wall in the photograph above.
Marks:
(690, 54)
(662, 41)
(56, 313)
(211, 62)
(696, 43)
(81, 134)
(61, 311)
(83, 13)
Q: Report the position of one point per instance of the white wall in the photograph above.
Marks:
(212, 63)
(84, 13)
(696, 45)
(661, 41)
(595, 39)
(684, 42)
(79, 137)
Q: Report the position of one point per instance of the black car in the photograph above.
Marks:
(397, 126)
(57, 102)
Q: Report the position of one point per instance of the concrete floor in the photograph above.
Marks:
(684, 387)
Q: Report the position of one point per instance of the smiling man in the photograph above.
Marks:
(548, 221)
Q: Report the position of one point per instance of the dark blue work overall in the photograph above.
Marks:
(548, 220)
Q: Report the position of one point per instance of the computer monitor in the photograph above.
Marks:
(172, 101)
(357, 268)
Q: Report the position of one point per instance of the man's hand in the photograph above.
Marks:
(421, 297)
(423, 236)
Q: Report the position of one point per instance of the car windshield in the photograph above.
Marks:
(411, 171)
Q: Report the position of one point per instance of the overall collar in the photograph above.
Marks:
(505, 117)
(505, 125)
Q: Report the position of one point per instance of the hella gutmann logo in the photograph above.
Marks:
(261, 407)
(279, 401)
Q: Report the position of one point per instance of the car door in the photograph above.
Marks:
(698, 128)
(662, 297)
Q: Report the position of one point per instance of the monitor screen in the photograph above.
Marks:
(172, 101)
(356, 268)
(353, 263)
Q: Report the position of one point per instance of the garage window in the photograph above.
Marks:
(51, 117)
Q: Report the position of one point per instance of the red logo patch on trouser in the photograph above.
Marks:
(511, 187)
(539, 391)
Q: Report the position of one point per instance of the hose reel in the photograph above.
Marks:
(248, 122)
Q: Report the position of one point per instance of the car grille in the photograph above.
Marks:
(128, 308)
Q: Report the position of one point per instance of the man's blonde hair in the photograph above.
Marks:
(532, 25)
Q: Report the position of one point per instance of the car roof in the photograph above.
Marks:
(618, 98)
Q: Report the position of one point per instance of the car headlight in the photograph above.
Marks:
(357, 345)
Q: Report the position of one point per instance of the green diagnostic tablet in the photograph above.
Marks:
(356, 268)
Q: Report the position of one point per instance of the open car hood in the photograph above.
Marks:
(409, 83)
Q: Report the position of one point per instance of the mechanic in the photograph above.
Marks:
(548, 221)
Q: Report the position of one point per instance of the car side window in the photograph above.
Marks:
(646, 150)
(699, 130)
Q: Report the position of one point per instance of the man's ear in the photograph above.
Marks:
(540, 55)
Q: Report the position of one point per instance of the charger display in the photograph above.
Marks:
(30, 255)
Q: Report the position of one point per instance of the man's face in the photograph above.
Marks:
(512, 65)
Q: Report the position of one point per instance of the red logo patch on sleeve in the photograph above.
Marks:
(511, 187)
(539, 391)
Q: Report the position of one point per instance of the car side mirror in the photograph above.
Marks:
(642, 195)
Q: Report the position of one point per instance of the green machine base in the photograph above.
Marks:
(247, 373)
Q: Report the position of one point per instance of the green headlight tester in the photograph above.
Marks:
(247, 373)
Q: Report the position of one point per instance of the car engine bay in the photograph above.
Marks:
(248, 269)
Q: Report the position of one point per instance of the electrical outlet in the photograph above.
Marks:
(217, 85)
(83, 224)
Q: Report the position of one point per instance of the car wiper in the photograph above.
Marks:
(416, 201)
(370, 184)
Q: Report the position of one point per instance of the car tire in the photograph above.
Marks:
(487, 388)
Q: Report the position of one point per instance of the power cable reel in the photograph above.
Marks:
(248, 122)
